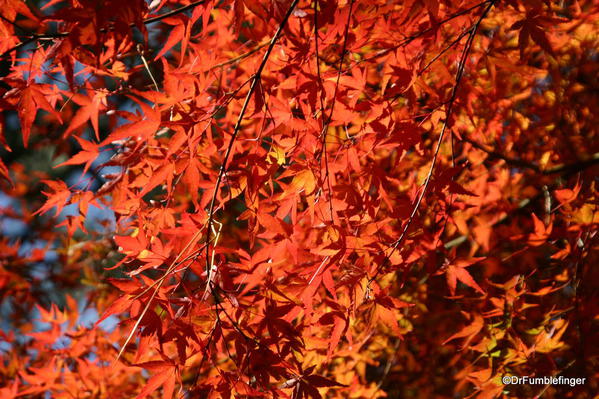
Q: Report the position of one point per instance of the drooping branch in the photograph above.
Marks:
(327, 122)
(424, 187)
(256, 79)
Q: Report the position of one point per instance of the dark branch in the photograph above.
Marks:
(424, 187)
(34, 37)
(497, 155)
(326, 123)
(171, 13)
(561, 168)
(236, 129)
(240, 57)
(423, 32)
(565, 169)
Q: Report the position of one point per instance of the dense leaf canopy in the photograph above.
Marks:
(298, 199)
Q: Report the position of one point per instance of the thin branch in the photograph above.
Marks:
(242, 56)
(390, 362)
(237, 127)
(141, 54)
(317, 55)
(189, 244)
(463, 238)
(327, 122)
(13, 23)
(423, 32)
(171, 13)
(447, 48)
(558, 372)
(424, 187)
(343, 51)
(204, 357)
(573, 167)
(58, 35)
(210, 267)
(31, 40)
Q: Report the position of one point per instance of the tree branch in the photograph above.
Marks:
(326, 123)
(573, 167)
(58, 35)
(241, 56)
(171, 13)
(423, 32)
(565, 169)
(561, 168)
(236, 129)
(424, 187)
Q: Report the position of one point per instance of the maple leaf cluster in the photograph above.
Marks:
(298, 199)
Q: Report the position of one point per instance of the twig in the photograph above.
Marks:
(13, 23)
(423, 32)
(143, 59)
(424, 187)
(317, 55)
(327, 122)
(461, 239)
(31, 40)
(498, 155)
(195, 237)
(171, 13)
(240, 57)
(573, 167)
(546, 386)
(58, 35)
(388, 366)
(237, 127)
(211, 268)
(447, 48)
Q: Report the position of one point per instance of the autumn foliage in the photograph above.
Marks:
(298, 199)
